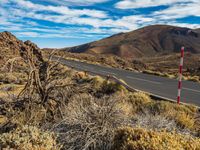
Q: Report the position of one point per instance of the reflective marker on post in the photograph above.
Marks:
(180, 76)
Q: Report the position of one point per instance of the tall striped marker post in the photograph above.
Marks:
(180, 75)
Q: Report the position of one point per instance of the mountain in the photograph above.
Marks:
(11, 47)
(147, 41)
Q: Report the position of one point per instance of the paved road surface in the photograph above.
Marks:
(160, 86)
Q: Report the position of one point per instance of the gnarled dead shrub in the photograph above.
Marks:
(90, 123)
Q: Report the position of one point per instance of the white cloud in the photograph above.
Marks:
(129, 4)
(64, 10)
(101, 24)
(74, 17)
(186, 25)
(29, 34)
(180, 11)
(76, 2)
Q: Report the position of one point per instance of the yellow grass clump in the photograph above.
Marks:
(183, 114)
(28, 138)
(141, 139)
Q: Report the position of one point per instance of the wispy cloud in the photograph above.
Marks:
(129, 4)
(96, 19)
(63, 10)
(180, 10)
(76, 2)
(90, 18)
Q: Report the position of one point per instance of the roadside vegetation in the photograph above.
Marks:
(161, 65)
(55, 107)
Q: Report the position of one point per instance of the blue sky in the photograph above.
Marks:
(65, 23)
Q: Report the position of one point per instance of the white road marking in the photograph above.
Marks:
(143, 80)
(108, 72)
(191, 90)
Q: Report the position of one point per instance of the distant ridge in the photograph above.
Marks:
(147, 41)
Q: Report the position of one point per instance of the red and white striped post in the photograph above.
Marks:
(180, 75)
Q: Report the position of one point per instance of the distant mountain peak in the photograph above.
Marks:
(147, 41)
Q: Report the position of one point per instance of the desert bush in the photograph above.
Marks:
(110, 87)
(28, 138)
(139, 139)
(182, 114)
(158, 122)
(154, 122)
(185, 120)
(89, 123)
(138, 101)
(97, 81)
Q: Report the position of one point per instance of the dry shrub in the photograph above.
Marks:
(182, 114)
(184, 120)
(101, 87)
(110, 87)
(197, 125)
(89, 123)
(140, 139)
(42, 97)
(155, 122)
(29, 113)
(97, 81)
(138, 100)
(28, 138)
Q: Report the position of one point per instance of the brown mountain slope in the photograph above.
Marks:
(11, 47)
(13, 58)
(146, 41)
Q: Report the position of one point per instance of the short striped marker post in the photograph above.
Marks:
(180, 75)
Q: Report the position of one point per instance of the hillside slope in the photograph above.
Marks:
(11, 47)
(146, 41)
(13, 58)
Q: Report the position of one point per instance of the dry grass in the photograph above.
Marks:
(7, 90)
(28, 138)
(13, 78)
(183, 115)
(139, 139)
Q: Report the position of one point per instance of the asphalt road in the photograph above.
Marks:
(160, 86)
